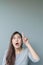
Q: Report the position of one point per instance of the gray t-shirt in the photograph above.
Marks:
(22, 58)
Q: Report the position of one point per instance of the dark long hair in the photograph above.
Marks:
(11, 56)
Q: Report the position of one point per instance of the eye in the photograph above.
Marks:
(19, 37)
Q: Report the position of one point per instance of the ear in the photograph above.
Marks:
(22, 43)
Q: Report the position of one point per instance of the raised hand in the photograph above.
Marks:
(31, 50)
(25, 40)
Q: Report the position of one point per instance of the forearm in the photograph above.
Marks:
(31, 50)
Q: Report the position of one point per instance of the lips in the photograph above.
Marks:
(17, 43)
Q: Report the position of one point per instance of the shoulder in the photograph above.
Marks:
(25, 50)
(4, 57)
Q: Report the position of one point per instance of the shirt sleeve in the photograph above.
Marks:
(31, 58)
(4, 58)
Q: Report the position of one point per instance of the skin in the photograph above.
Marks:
(17, 39)
(18, 49)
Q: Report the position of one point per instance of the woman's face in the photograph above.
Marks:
(17, 41)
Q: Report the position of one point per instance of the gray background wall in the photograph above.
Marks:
(24, 16)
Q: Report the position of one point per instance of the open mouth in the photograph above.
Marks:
(17, 43)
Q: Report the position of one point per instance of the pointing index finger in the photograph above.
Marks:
(22, 34)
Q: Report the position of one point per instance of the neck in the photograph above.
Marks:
(18, 50)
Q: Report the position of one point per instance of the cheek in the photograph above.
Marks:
(20, 41)
(13, 42)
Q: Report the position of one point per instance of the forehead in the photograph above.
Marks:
(17, 35)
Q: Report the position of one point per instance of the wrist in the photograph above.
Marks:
(27, 44)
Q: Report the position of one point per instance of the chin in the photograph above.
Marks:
(17, 47)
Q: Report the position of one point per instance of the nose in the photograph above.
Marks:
(16, 39)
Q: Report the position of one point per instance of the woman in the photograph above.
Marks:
(16, 54)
